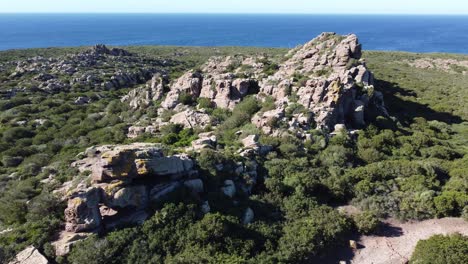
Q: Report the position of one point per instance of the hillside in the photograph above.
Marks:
(225, 155)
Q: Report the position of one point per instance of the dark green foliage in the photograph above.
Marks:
(320, 229)
(366, 222)
(269, 67)
(241, 114)
(186, 98)
(441, 249)
(413, 166)
(205, 103)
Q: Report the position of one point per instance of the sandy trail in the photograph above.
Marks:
(396, 242)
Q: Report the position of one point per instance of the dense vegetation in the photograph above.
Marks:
(411, 167)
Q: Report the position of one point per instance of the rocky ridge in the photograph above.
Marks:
(318, 85)
(100, 68)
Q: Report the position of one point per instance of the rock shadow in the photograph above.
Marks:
(388, 230)
(406, 110)
(341, 252)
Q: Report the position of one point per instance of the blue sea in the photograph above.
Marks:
(377, 32)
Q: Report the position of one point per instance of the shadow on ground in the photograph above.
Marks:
(346, 253)
(406, 110)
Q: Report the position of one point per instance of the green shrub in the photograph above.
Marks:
(309, 236)
(16, 133)
(204, 103)
(366, 222)
(186, 98)
(441, 249)
(9, 161)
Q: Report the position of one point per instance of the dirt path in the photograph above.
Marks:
(396, 242)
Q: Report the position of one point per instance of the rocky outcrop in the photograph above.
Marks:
(445, 65)
(326, 77)
(145, 96)
(92, 68)
(29, 256)
(189, 85)
(124, 180)
(102, 49)
(219, 80)
(128, 162)
(329, 79)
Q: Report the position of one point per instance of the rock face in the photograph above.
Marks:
(125, 179)
(145, 96)
(191, 118)
(29, 256)
(82, 212)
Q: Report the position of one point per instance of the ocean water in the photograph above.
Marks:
(376, 32)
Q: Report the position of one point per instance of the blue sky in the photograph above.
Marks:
(238, 6)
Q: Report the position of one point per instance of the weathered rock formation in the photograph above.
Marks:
(219, 80)
(124, 178)
(325, 77)
(329, 80)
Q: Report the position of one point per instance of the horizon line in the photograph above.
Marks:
(231, 13)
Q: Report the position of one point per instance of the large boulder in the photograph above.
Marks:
(195, 185)
(248, 216)
(250, 141)
(134, 161)
(204, 141)
(30, 255)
